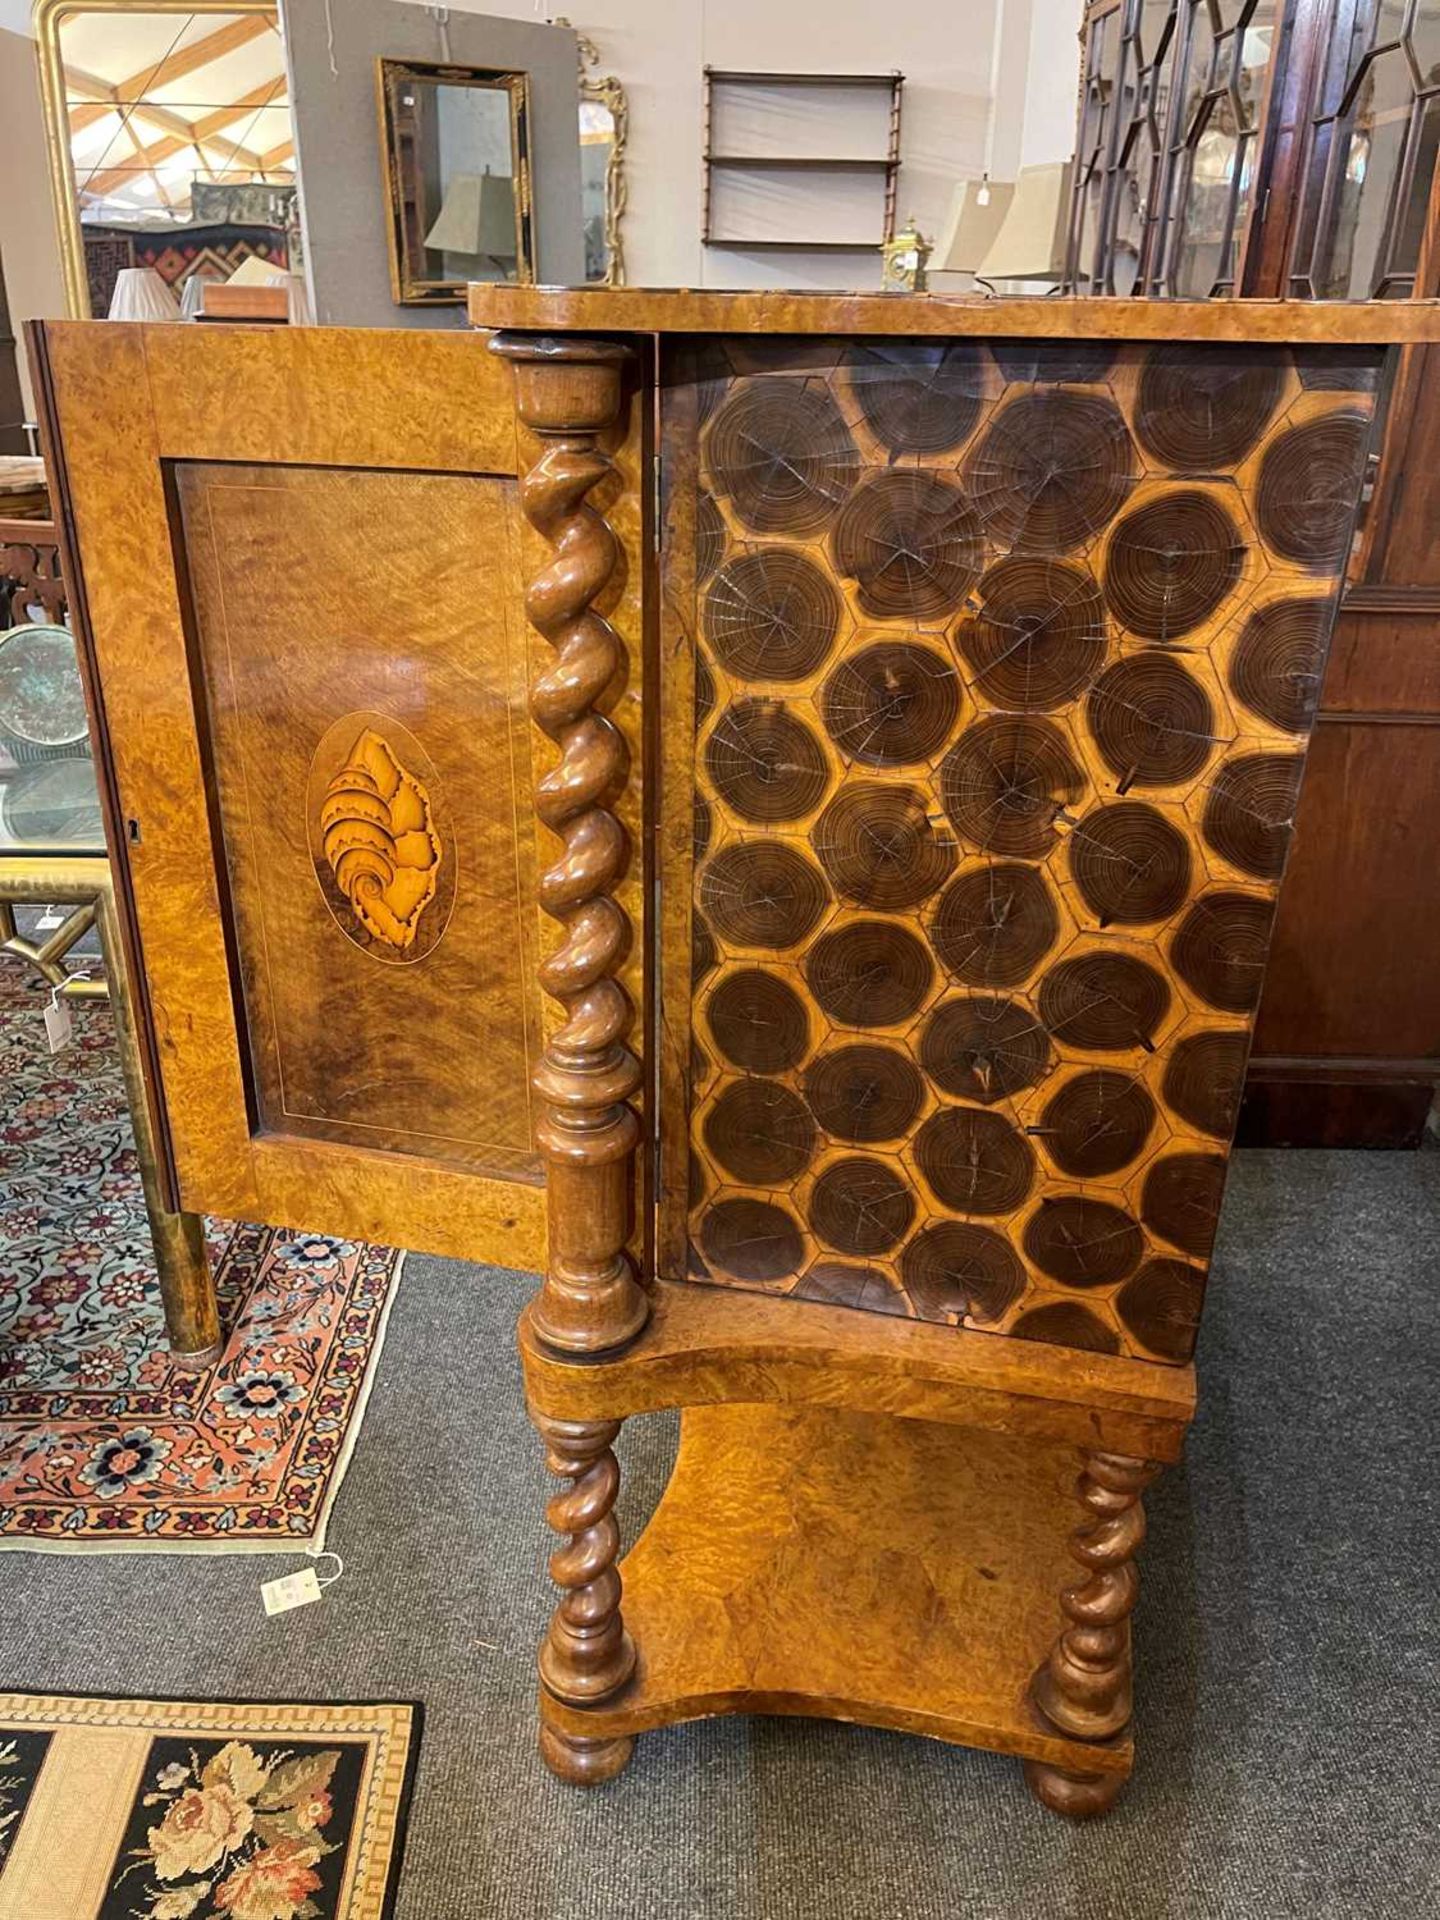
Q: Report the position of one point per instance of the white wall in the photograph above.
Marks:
(950, 51)
(1051, 86)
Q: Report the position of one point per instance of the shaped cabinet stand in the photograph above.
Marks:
(767, 809)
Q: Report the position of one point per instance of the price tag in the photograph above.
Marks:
(290, 1590)
(59, 1024)
(51, 917)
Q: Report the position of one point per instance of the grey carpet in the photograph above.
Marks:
(1288, 1633)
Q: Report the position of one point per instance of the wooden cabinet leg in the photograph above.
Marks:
(580, 1761)
(586, 1657)
(1084, 1688)
(1080, 1796)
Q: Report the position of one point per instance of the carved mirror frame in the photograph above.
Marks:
(609, 93)
(407, 288)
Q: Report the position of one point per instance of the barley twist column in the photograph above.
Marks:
(1084, 1687)
(567, 392)
(587, 1656)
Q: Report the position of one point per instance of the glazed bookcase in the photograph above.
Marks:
(798, 871)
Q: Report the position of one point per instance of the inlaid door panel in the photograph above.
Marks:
(361, 710)
(990, 670)
(300, 556)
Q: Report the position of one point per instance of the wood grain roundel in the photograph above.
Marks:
(911, 542)
(1309, 488)
(892, 703)
(958, 1267)
(1004, 782)
(1171, 563)
(1152, 721)
(1083, 1242)
(878, 845)
(1204, 408)
(870, 973)
(861, 1206)
(1037, 637)
(1275, 668)
(983, 1048)
(765, 763)
(762, 893)
(921, 400)
(1104, 1002)
(760, 1133)
(780, 452)
(759, 1021)
(771, 615)
(975, 1162)
(1051, 470)
(864, 1093)
(995, 924)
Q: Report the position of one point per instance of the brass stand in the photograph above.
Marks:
(84, 883)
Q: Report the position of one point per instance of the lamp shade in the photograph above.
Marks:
(255, 270)
(140, 294)
(1031, 242)
(972, 225)
(477, 216)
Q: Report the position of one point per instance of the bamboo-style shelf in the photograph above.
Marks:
(886, 166)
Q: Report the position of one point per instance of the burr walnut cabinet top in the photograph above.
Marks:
(687, 310)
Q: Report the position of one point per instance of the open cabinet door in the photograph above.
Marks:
(297, 558)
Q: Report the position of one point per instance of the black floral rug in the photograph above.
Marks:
(191, 1810)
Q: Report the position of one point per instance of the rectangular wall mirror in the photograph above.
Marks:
(456, 148)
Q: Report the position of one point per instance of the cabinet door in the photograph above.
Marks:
(298, 556)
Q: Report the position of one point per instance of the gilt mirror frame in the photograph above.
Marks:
(609, 93)
(48, 20)
(412, 289)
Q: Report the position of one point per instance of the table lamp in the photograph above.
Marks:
(977, 212)
(1031, 242)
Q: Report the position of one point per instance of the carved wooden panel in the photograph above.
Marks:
(1005, 657)
(362, 666)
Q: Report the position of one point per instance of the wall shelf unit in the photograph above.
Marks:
(773, 176)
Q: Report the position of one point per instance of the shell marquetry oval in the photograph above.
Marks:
(1006, 655)
(375, 837)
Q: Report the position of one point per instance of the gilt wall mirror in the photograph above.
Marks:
(455, 142)
(170, 139)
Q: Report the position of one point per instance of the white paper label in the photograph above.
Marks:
(290, 1590)
(52, 917)
(59, 1026)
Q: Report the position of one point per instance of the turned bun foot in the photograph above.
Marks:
(1079, 1796)
(583, 1762)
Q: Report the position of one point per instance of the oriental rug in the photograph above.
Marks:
(104, 1443)
(194, 1810)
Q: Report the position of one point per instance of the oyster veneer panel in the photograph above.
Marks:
(1006, 655)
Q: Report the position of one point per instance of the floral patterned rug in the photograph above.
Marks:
(103, 1442)
(190, 1810)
